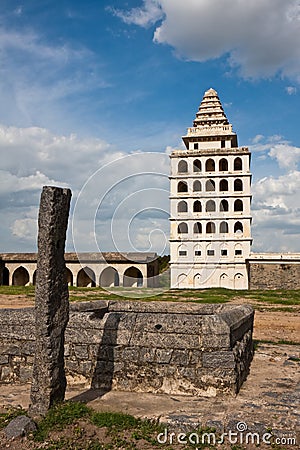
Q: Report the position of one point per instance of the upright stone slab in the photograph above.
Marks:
(51, 301)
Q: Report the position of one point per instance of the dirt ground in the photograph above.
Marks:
(269, 397)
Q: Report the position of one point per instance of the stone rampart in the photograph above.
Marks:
(276, 275)
(158, 347)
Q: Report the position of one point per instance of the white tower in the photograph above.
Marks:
(210, 204)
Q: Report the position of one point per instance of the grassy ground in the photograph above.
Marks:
(74, 426)
(281, 297)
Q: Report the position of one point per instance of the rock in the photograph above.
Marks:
(51, 301)
(19, 427)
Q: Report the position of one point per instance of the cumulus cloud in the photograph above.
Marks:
(259, 38)
(108, 190)
(276, 199)
(276, 213)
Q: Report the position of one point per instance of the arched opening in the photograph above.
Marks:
(197, 228)
(238, 205)
(181, 280)
(223, 205)
(197, 250)
(239, 281)
(210, 206)
(224, 280)
(238, 250)
(223, 185)
(20, 277)
(238, 164)
(197, 207)
(197, 186)
(182, 207)
(182, 228)
(210, 228)
(238, 185)
(197, 165)
(69, 277)
(210, 165)
(34, 278)
(238, 228)
(133, 277)
(210, 186)
(182, 186)
(86, 278)
(182, 250)
(182, 166)
(224, 227)
(197, 280)
(109, 277)
(5, 276)
(223, 165)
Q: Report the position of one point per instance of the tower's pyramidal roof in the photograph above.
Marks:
(210, 111)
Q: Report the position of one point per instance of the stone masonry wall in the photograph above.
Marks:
(274, 276)
(159, 347)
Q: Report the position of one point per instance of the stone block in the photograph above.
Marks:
(215, 360)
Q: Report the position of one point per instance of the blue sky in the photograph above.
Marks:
(85, 83)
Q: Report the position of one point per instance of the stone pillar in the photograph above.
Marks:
(51, 301)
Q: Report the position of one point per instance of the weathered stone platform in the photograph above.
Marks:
(157, 347)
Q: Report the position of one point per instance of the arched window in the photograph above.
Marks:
(223, 185)
(210, 165)
(182, 250)
(238, 185)
(238, 205)
(238, 250)
(223, 205)
(182, 228)
(197, 186)
(210, 228)
(197, 228)
(223, 227)
(197, 250)
(182, 166)
(210, 206)
(238, 164)
(197, 207)
(197, 165)
(238, 228)
(182, 207)
(182, 186)
(210, 186)
(223, 165)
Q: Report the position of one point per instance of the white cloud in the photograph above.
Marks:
(287, 156)
(291, 90)
(37, 77)
(148, 14)
(113, 196)
(259, 38)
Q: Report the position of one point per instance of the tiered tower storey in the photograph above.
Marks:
(210, 236)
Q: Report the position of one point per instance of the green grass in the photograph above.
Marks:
(215, 295)
(17, 290)
(59, 417)
(63, 415)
